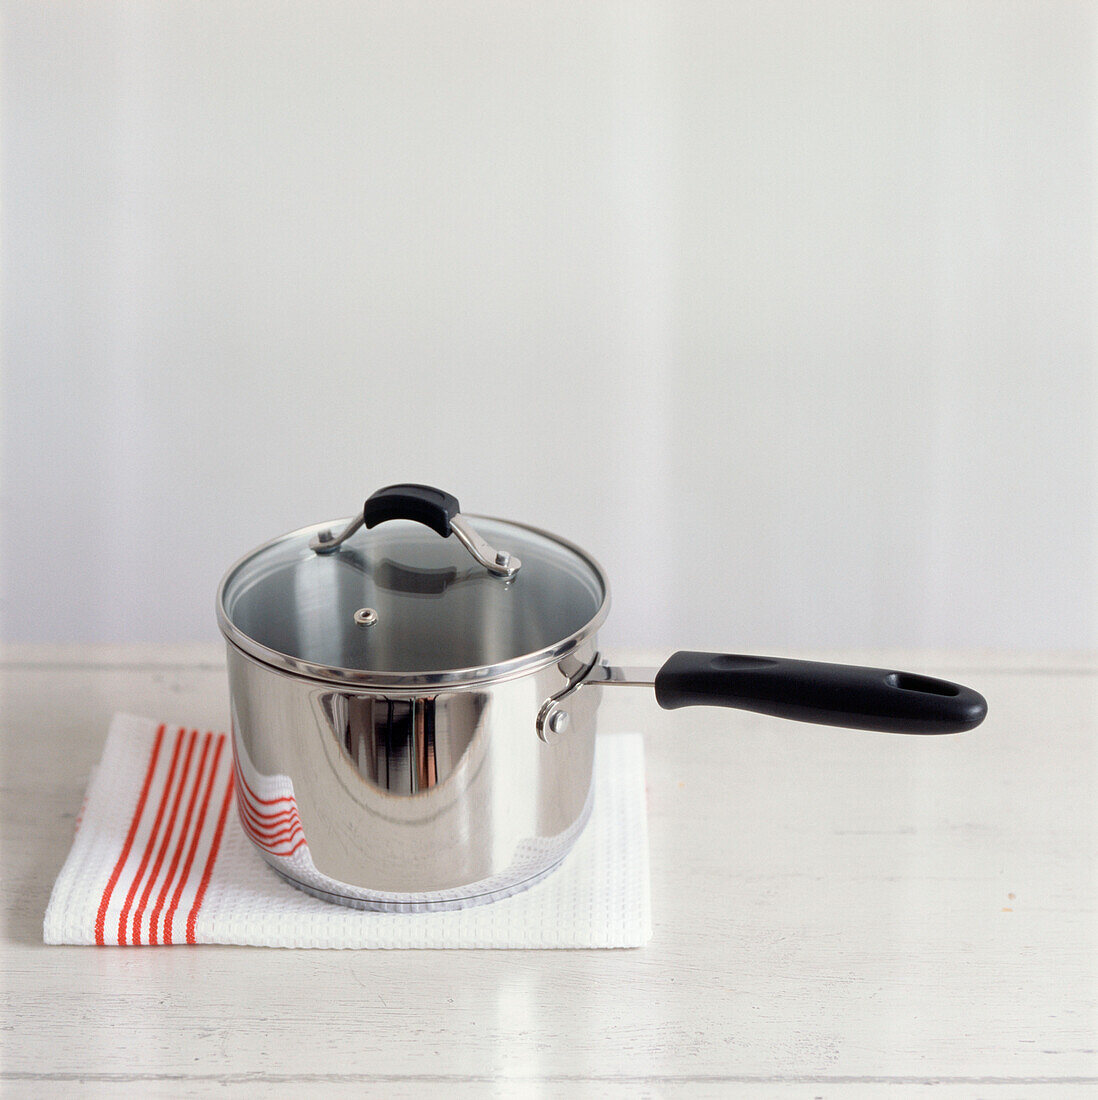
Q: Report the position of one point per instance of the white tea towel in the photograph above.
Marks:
(159, 857)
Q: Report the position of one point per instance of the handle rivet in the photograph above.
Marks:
(559, 722)
(365, 616)
(503, 558)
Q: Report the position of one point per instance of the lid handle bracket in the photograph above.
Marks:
(432, 507)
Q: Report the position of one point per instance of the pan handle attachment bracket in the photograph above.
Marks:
(553, 718)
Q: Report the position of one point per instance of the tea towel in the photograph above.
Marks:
(160, 858)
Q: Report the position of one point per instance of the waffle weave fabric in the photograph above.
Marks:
(159, 858)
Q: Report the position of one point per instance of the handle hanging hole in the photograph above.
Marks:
(926, 684)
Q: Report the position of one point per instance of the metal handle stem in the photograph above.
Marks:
(625, 675)
(499, 562)
(326, 542)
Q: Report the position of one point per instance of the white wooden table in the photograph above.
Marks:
(834, 912)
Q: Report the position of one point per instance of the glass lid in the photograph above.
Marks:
(401, 603)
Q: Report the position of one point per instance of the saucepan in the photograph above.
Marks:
(414, 714)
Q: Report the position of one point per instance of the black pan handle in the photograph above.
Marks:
(811, 691)
(421, 503)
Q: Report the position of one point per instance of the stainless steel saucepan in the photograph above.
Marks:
(414, 715)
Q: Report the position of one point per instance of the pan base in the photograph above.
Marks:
(528, 869)
(410, 903)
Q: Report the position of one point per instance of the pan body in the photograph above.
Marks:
(381, 798)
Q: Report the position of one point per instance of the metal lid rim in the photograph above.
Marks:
(365, 678)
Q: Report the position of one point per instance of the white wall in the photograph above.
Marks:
(786, 311)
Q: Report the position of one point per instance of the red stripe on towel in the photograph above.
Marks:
(180, 787)
(210, 861)
(194, 843)
(181, 843)
(105, 901)
(150, 844)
